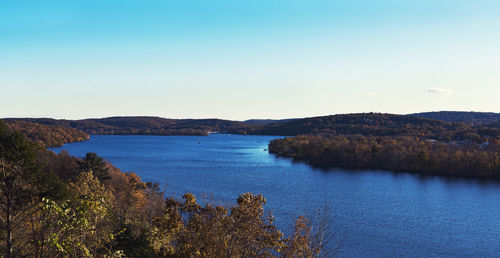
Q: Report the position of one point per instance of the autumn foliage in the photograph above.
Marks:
(62, 206)
(409, 154)
(48, 135)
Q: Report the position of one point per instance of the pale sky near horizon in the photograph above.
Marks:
(247, 58)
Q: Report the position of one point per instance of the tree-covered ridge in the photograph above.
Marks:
(144, 125)
(392, 142)
(56, 205)
(473, 118)
(368, 124)
(408, 154)
(376, 124)
(48, 135)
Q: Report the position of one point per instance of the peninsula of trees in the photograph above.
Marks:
(393, 142)
(407, 154)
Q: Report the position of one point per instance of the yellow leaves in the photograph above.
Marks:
(210, 231)
(79, 221)
(185, 229)
(135, 181)
(190, 204)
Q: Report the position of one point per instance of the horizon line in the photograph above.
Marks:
(287, 118)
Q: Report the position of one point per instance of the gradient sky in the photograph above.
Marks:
(241, 59)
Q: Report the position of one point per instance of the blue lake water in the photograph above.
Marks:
(376, 213)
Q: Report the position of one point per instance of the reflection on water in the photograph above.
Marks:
(377, 213)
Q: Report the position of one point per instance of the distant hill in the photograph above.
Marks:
(143, 125)
(373, 124)
(267, 121)
(367, 124)
(473, 118)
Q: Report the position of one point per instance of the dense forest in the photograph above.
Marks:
(409, 154)
(457, 146)
(368, 124)
(48, 135)
(375, 124)
(56, 205)
(473, 118)
(395, 142)
(144, 125)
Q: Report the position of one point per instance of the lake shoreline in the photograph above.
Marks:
(376, 214)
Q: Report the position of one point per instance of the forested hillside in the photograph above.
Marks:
(391, 142)
(408, 154)
(367, 140)
(376, 124)
(473, 118)
(48, 135)
(62, 206)
(144, 125)
(367, 124)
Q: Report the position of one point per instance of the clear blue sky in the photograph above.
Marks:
(247, 58)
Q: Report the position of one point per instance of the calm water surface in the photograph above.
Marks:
(377, 214)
